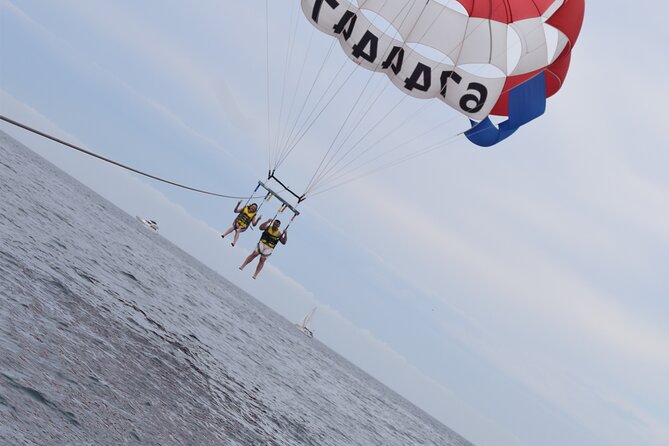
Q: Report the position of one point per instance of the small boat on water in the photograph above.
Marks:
(305, 324)
(151, 224)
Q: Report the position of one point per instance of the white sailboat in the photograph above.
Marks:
(305, 323)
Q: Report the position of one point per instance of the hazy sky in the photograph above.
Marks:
(518, 294)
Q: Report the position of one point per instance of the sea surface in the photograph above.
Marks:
(112, 335)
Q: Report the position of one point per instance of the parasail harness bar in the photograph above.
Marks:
(285, 202)
(270, 176)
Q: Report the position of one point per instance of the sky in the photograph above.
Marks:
(518, 294)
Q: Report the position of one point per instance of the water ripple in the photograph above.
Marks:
(111, 336)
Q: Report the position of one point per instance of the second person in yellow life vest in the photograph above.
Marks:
(245, 216)
(270, 237)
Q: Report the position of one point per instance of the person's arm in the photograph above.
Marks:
(256, 220)
(264, 225)
(284, 237)
(237, 210)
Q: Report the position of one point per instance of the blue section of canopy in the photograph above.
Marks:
(527, 101)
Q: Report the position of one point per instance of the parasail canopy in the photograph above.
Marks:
(485, 57)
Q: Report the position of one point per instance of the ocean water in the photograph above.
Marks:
(111, 335)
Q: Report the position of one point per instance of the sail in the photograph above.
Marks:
(306, 320)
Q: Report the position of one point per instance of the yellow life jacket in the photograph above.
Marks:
(245, 217)
(270, 237)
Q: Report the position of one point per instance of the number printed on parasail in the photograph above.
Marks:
(487, 57)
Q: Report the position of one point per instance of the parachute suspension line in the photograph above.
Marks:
(276, 214)
(294, 144)
(289, 57)
(331, 175)
(466, 34)
(334, 164)
(290, 143)
(116, 163)
(338, 167)
(318, 175)
(334, 178)
(490, 15)
(422, 152)
(288, 146)
(302, 133)
(290, 222)
(343, 172)
(335, 175)
(296, 133)
(324, 165)
(318, 172)
(348, 116)
(431, 148)
(289, 139)
(280, 211)
(269, 136)
(334, 172)
(436, 146)
(327, 172)
(387, 84)
(306, 125)
(379, 95)
(373, 127)
(338, 174)
(252, 196)
(490, 42)
(268, 196)
(515, 44)
(330, 170)
(291, 108)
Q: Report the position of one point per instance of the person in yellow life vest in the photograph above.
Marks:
(270, 237)
(246, 216)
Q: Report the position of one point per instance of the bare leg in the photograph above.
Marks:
(234, 240)
(261, 263)
(228, 231)
(248, 260)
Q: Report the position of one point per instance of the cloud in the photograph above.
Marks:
(557, 301)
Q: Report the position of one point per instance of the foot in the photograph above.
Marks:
(222, 235)
(254, 277)
(241, 268)
(232, 244)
